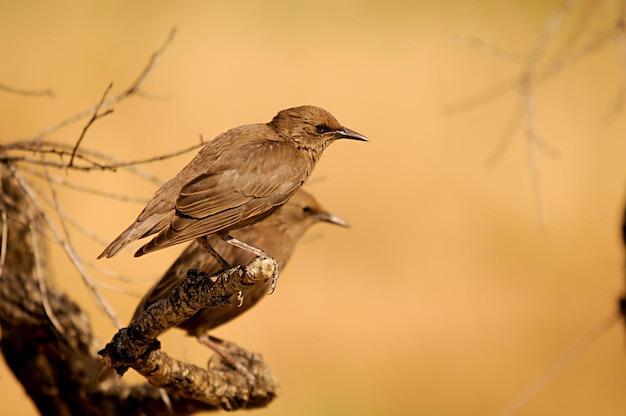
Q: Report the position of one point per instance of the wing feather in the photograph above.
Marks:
(238, 192)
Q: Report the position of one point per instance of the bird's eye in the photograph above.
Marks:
(322, 128)
(307, 210)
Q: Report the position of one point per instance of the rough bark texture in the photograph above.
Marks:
(48, 343)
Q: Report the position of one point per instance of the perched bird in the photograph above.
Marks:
(237, 179)
(277, 235)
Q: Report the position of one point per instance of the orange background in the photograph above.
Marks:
(446, 296)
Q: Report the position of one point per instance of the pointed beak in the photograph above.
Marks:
(332, 219)
(346, 133)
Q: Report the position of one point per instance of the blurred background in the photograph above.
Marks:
(448, 295)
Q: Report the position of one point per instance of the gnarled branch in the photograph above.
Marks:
(48, 361)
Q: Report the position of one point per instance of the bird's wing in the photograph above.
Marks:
(235, 194)
(260, 180)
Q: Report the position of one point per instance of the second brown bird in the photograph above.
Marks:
(277, 236)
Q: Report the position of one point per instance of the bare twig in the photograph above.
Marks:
(43, 287)
(115, 99)
(31, 93)
(532, 137)
(528, 89)
(151, 63)
(538, 67)
(93, 118)
(621, 28)
(490, 48)
(85, 189)
(5, 239)
(155, 158)
(505, 139)
(68, 250)
(117, 289)
(484, 97)
(97, 266)
(38, 259)
(556, 65)
(68, 246)
(561, 364)
(551, 68)
(579, 27)
(108, 162)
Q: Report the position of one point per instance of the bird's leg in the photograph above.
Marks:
(204, 242)
(257, 251)
(244, 246)
(220, 347)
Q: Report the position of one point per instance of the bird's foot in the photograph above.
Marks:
(274, 276)
(260, 270)
(222, 348)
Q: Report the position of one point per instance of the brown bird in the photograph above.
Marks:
(277, 235)
(238, 179)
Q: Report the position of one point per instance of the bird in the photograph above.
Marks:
(277, 235)
(237, 179)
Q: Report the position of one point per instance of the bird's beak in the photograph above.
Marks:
(332, 218)
(346, 133)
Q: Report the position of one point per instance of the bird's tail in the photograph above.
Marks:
(128, 236)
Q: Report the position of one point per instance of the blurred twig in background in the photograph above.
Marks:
(559, 46)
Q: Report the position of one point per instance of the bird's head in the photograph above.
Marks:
(302, 211)
(311, 127)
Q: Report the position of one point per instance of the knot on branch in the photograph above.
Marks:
(126, 348)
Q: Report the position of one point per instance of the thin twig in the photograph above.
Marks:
(550, 69)
(621, 29)
(117, 289)
(39, 272)
(533, 160)
(57, 165)
(505, 139)
(38, 148)
(70, 221)
(528, 91)
(93, 118)
(5, 237)
(488, 47)
(579, 27)
(487, 95)
(112, 164)
(151, 63)
(29, 93)
(113, 100)
(154, 158)
(561, 364)
(68, 251)
(556, 65)
(88, 190)
(114, 275)
(69, 248)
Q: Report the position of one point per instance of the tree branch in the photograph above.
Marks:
(48, 362)
(138, 348)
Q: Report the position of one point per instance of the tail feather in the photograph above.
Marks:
(139, 229)
(119, 243)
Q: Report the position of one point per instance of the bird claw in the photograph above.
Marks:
(240, 298)
(274, 277)
(225, 350)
